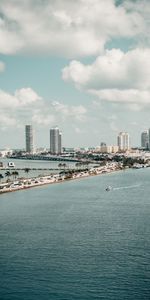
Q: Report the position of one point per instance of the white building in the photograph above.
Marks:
(29, 139)
(145, 139)
(6, 152)
(109, 149)
(123, 141)
(55, 141)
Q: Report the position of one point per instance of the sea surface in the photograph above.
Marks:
(74, 240)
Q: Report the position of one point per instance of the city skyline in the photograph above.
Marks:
(123, 141)
(89, 75)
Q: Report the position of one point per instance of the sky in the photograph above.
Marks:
(80, 65)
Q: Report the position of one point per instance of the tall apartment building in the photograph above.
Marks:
(55, 141)
(145, 139)
(29, 138)
(149, 138)
(123, 141)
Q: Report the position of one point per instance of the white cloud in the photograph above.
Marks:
(26, 96)
(114, 76)
(41, 119)
(15, 108)
(141, 8)
(7, 121)
(114, 69)
(25, 105)
(55, 112)
(70, 111)
(62, 27)
(21, 98)
(129, 96)
(76, 73)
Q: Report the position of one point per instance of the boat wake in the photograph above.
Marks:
(126, 187)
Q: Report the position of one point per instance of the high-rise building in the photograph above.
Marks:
(149, 139)
(145, 139)
(60, 142)
(29, 138)
(55, 141)
(123, 141)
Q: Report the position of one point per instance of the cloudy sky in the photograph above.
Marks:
(82, 65)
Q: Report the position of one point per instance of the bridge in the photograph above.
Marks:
(51, 158)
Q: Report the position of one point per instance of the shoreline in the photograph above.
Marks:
(26, 183)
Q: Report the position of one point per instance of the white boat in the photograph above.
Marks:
(109, 188)
(11, 164)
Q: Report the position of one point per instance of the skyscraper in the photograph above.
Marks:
(145, 139)
(55, 141)
(60, 142)
(29, 138)
(149, 139)
(123, 141)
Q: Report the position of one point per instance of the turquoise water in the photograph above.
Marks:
(74, 240)
(24, 163)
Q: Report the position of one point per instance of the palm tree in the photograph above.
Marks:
(1, 177)
(78, 165)
(14, 174)
(64, 165)
(81, 164)
(8, 174)
(27, 170)
(60, 165)
(86, 165)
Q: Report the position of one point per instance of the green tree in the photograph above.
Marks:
(60, 165)
(78, 165)
(64, 166)
(27, 170)
(1, 177)
(14, 174)
(8, 174)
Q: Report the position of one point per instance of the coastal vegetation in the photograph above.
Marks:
(66, 174)
(1, 177)
(11, 180)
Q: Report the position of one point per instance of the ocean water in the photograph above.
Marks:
(74, 240)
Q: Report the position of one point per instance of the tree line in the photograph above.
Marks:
(14, 174)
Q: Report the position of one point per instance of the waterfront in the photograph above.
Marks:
(69, 173)
(76, 241)
(33, 164)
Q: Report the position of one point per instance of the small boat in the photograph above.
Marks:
(109, 188)
(11, 164)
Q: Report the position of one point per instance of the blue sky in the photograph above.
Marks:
(83, 66)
